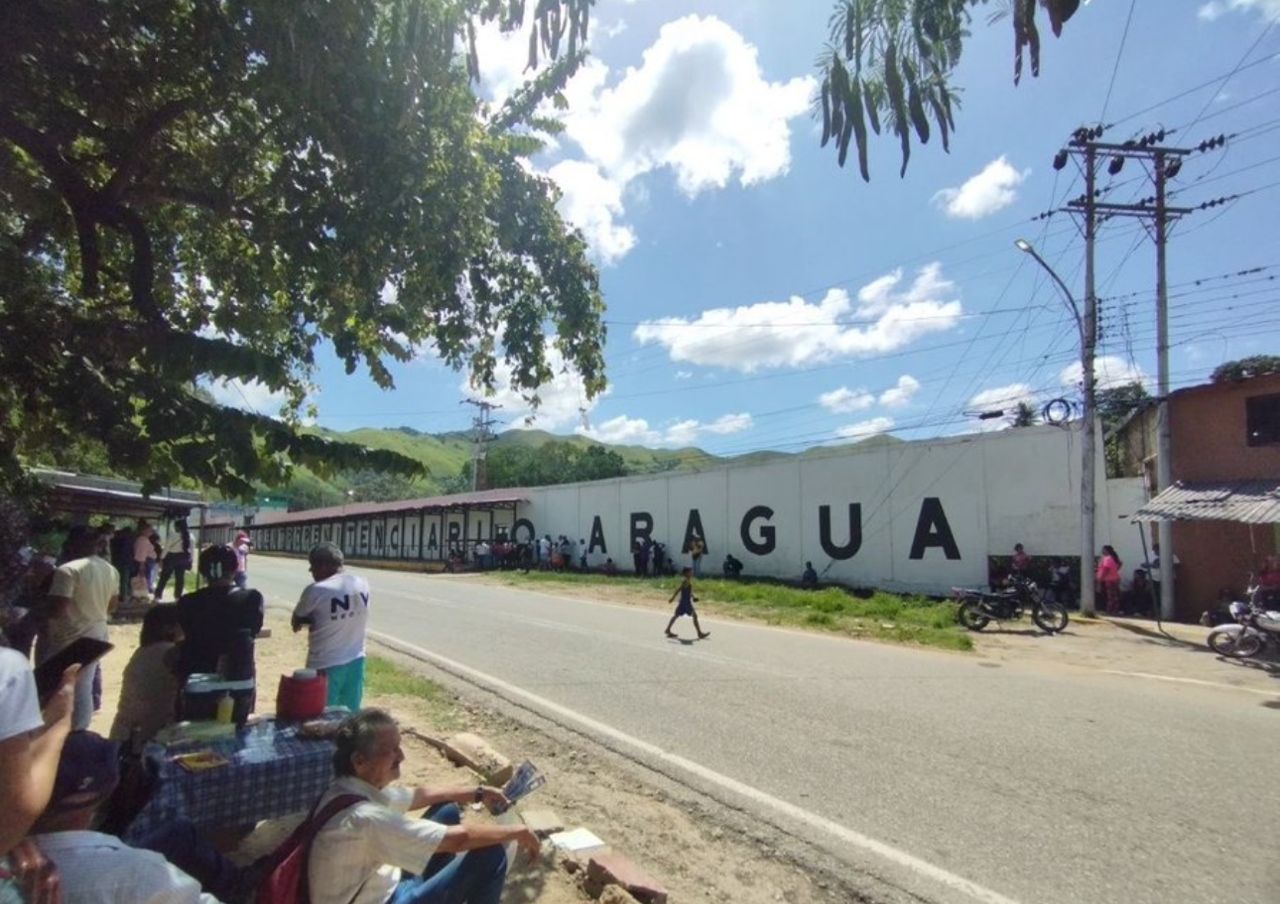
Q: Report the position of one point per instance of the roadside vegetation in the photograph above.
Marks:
(384, 677)
(873, 615)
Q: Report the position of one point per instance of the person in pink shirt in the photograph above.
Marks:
(1108, 576)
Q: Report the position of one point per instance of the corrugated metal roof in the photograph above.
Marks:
(478, 499)
(1248, 501)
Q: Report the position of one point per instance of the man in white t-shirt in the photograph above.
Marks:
(336, 611)
(84, 593)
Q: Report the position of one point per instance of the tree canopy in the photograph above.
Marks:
(1243, 369)
(194, 190)
(550, 463)
(889, 64)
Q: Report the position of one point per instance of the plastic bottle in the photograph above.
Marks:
(225, 707)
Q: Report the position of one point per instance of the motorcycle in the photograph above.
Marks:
(978, 608)
(1254, 629)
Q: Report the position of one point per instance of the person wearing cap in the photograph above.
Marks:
(91, 866)
(372, 852)
(212, 617)
(82, 596)
(335, 609)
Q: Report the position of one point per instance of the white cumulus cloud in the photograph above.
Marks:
(845, 400)
(592, 203)
(991, 190)
(902, 393)
(698, 104)
(249, 396)
(1003, 398)
(1214, 9)
(1109, 372)
(863, 429)
(887, 315)
(563, 399)
(625, 430)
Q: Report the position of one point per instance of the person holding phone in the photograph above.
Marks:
(31, 740)
(82, 596)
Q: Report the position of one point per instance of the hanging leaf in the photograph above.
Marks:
(859, 127)
(826, 112)
(940, 117)
(916, 108)
(533, 47)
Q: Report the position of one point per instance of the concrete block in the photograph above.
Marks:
(615, 869)
(542, 822)
(474, 752)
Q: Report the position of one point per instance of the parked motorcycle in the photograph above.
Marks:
(1254, 629)
(978, 608)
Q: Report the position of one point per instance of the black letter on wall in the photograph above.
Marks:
(768, 541)
(432, 543)
(641, 526)
(522, 524)
(850, 549)
(932, 529)
(597, 537)
(693, 528)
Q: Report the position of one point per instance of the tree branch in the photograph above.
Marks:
(132, 158)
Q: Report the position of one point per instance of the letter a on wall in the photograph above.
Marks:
(932, 529)
(597, 537)
(849, 549)
(693, 528)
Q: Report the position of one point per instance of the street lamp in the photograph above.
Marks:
(1085, 326)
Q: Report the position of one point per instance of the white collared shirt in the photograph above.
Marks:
(359, 854)
(100, 869)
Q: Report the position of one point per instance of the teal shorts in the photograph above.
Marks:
(346, 684)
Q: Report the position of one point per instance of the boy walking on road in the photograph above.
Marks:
(685, 592)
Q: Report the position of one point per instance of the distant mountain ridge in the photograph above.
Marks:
(445, 454)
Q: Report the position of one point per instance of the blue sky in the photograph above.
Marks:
(759, 297)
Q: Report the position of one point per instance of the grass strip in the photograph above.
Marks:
(875, 615)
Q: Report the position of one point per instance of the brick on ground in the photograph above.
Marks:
(542, 821)
(612, 868)
(474, 752)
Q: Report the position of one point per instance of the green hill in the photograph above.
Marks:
(445, 455)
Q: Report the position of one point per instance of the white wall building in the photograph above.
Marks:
(913, 516)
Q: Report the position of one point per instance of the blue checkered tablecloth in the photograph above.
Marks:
(271, 772)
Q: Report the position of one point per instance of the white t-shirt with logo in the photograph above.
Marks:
(89, 583)
(338, 608)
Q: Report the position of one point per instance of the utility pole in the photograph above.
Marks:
(1089, 436)
(1164, 449)
(481, 434)
(1165, 161)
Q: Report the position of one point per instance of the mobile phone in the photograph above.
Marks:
(83, 651)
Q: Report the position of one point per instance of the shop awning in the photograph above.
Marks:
(1246, 501)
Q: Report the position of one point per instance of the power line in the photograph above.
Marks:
(1124, 36)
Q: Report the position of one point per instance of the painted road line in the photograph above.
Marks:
(843, 833)
(1177, 680)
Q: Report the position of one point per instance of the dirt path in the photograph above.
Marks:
(678, 839)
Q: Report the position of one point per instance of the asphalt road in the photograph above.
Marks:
(955, 780)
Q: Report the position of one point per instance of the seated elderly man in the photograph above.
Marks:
(372, 852)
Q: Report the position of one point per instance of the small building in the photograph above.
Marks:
(1225, 443)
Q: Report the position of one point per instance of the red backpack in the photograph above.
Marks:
(284, 879)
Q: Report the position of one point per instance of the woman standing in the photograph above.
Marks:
(1108, 575)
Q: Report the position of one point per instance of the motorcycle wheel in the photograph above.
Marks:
(1051, 617)
(1237, 644)
(971, 615)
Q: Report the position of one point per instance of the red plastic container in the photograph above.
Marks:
(301, 698)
